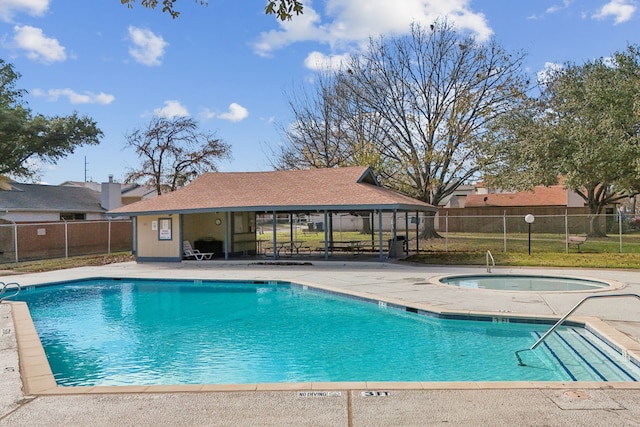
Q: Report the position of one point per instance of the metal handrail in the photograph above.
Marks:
(5, 286)
(561, 321)
(493, 261)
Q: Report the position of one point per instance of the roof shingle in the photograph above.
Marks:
(331, 188)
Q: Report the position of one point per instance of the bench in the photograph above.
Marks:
(576, 241)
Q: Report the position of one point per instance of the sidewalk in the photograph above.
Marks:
(379, 404)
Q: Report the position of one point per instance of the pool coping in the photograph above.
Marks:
(613, 284)
(38, 379)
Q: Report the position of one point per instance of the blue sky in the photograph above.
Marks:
(229, 66)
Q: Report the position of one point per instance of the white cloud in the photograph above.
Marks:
(9, 8)
(74, 97)
(236, 113)
(352, 22)
(621, 10)
(549, 69)
(318, 61)
(555, 8)
(171, 109)
(147, 48)
(38, 46)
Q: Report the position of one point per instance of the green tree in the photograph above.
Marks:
(173, 152)
(282, 9)
(25, 137)
(583, 126)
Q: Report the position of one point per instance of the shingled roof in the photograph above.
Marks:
(332, 189)
(39, 198)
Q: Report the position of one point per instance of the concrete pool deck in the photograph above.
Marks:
(340, 404)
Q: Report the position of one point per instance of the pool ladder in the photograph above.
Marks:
(4, 287)
(493, 261)
(561, 321)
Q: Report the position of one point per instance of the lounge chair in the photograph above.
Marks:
(189, 252)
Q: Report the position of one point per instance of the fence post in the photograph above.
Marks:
(620, 228)
(504, 229)
(446, 232)
(15, 239)
(417, 232)
(109, 237)
(566, 231)
(66, 240)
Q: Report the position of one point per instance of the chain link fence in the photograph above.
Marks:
(35, 241)
(497, 233)
(547, 233)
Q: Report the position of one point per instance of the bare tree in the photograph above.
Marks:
(282, 9)
(173, 152)
(327, 130)
(425, 102)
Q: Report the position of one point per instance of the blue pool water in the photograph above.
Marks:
(126, 332)
(517, 282)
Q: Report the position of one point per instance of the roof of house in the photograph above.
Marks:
(49, 198)
(137, 190)
(555, 195)
(351, 188)
(128, 190)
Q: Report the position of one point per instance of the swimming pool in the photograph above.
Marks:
(126, 332)
(521, 282)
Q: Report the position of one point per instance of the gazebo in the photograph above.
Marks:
(218, 210)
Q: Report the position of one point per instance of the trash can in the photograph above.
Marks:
(396, 247)
(320, 226)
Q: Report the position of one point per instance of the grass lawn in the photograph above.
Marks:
(62, 263)
(536, 259)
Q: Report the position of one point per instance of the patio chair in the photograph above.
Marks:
(189, 252)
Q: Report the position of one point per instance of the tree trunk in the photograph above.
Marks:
(366, 225)
(594, 226)
(429, 229)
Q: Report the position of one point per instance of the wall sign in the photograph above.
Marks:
(164, 229)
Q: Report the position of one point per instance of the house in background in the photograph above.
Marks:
(458, 198)
(70, 201)
(554, 197)
(45, 203)
(129, 193)
(547, 204)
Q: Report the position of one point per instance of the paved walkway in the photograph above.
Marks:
(472, 404)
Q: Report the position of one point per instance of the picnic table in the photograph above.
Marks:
(289, 246)
(345, 246)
